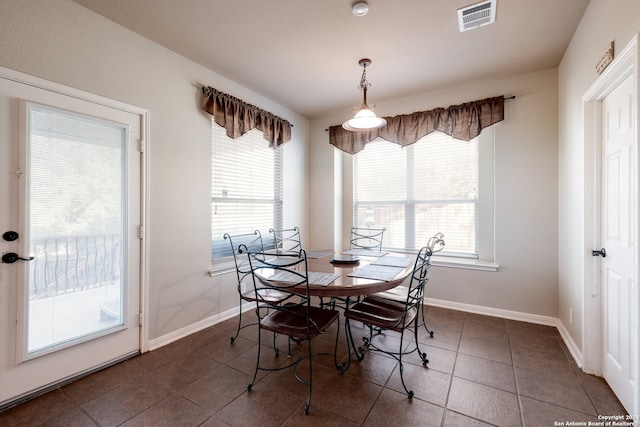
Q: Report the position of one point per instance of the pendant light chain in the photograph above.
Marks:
(364, 84)
(365, 118)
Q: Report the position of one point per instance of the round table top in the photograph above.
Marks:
(347, 286)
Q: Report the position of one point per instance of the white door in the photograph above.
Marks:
(70, 207)
(619, 232)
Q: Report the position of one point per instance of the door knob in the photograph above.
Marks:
(11, 257)
(602, 252)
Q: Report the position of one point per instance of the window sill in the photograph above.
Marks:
(468, 264)
(220, 268)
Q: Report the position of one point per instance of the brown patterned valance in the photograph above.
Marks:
(464, 121)
(238, 117)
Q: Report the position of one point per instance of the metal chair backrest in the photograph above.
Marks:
(420, 275)
(251, 242)
(287, 241)
(285, 272)
(288, 274)
(367, 238)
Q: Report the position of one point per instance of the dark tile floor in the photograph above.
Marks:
(482, 371)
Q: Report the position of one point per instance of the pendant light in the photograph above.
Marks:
(365, 118)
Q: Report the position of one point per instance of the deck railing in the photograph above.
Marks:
(73, 263)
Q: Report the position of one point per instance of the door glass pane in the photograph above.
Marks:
(75, 224)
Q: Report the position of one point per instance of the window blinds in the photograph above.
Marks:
(246, 186)
(419, 190)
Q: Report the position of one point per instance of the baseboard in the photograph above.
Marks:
(469, 308)
(574, 350)
(195, 327)
(495, 312)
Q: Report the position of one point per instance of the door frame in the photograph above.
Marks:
(623, 66)
(144, 147)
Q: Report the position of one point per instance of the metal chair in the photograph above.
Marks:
(251, 242)
(287, 241)
(300, 321)
(399, 293)
(369, 239)
(386, 314)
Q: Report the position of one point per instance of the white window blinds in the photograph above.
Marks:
(246, 187)
(416, 191)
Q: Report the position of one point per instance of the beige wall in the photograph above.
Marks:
(525, 194)
(60, 41)
(604, 21)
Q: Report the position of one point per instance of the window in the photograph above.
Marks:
(416, 191)
(246, 187)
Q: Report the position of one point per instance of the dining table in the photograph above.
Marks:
(346, 275)
(351, 273)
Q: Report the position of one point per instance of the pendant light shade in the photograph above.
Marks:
(365, 118)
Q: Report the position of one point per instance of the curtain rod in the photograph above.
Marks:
(204, 89)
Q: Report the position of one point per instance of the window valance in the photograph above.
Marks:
(464, 121)
(238, 117)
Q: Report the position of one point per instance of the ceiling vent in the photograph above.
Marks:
(477, 15)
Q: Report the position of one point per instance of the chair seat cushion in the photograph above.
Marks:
(382, 313)
(291, 321)
(399, 294)
(271, 296)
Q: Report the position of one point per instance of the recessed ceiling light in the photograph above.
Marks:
(360, 8)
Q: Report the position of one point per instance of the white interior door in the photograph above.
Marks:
(619, 222)
(71, 195)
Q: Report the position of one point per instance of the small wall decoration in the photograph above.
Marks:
(605, 60)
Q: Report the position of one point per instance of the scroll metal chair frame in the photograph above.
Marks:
(369, 239)
(399, 293)
(250, 242)
(287, 240)
(299, 320)
(385, 314)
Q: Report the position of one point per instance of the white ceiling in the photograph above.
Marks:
(304, 53)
